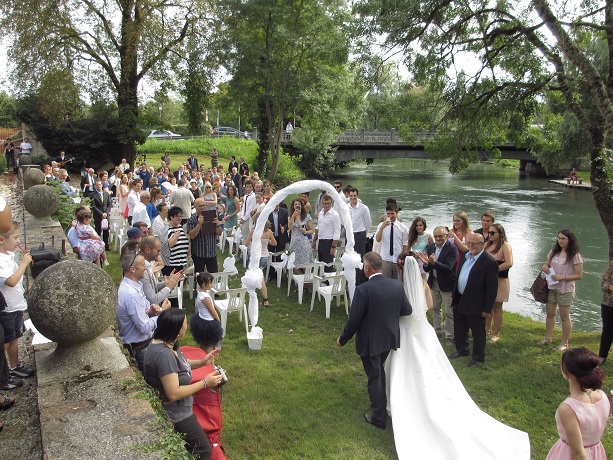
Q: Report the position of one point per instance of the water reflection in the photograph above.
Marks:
(531, 210)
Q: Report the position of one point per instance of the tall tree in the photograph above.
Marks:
(519, 51)
(124, 40)
(281, 50)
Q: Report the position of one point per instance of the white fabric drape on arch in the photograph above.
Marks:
(433, 415)
(253, 276)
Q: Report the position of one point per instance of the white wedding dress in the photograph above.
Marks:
(432, 414)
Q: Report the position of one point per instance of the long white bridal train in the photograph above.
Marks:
(432, 414)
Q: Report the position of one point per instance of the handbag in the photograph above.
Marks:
(540, 289)
(124, 214)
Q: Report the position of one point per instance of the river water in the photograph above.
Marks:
(531, 210)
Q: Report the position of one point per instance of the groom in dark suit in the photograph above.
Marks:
(375, 314)
(473, 298)
(101, 208)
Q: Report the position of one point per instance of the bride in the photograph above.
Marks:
(432, 414)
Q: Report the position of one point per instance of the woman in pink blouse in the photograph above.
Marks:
(567, 265)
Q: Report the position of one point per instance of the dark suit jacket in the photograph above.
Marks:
(444, 266)
(100, 207)
(480, 292)
(282, 238)
(233, 164)
(86, 182)
(192, 162)
(375, 314)
(177, 175)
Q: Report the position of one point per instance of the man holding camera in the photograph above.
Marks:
(204, 245)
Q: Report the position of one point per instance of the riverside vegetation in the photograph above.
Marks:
(302, 397)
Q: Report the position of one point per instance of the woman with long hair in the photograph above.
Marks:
(582, 417)
(268, 237)
(169, 371)
(500, 249)
(418, 240)
(122, 193)
(267, 192)
(300, 226)
(567, 265)
(459, 231)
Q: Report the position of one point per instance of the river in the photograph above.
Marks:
(531, 210)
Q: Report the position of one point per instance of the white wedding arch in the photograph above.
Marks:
(253, 277)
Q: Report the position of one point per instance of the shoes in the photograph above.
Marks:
(495, 338)
(456, 355)
(7, 403)
(12, 383)
(561, 347)
(22, 371)
(544, 341)
(369, 419)
(265, 303)
(473, 363)
(105, 263)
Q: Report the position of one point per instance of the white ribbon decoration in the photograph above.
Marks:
(229, 265)
(288, 262)
(254, 276)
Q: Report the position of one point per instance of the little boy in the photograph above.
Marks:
(11, 319)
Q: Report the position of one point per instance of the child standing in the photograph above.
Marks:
(91, 246)
(11, 319)
(205, 319)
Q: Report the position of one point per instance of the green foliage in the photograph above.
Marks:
(8, 110)
(91, 138)
(66, 212)
(316, 156)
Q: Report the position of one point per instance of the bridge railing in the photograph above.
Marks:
(375, 137)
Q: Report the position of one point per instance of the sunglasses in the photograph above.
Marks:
(491, 233)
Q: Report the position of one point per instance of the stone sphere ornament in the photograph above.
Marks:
(32, 177)
(25, 160)
(72, 302)
(41, 200)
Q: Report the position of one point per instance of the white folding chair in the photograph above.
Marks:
(244, 251)
(278, 266)
(234, 301)
(177, 293)
(337, 288)
(310, 271)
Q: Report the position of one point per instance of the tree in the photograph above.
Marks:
(124, 41)
(519, 56)
(281, 51)
(8, 109)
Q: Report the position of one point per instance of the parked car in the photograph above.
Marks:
(162, 134)
(228, 131)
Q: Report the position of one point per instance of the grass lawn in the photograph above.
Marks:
(302, 397)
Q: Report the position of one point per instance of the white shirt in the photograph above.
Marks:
(248, 204)
(328, 225)
(401, 239)
(25, 147)
(360, 217)
(15, 300)
(183, 198)
(140, 214)
(133, 198)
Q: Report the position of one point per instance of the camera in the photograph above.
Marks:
(224, 379)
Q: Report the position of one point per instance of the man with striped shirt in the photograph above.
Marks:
(203, 245)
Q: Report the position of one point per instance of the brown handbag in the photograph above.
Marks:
(540, 289)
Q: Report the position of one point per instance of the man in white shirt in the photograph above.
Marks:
(140, 209)
(361, 220)
(249, 203)
(134, 197)
(394, 238)
(328, 232)
(25, 147)
(124, 166)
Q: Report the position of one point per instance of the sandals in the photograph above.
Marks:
(265, 302)
(495, 338)
(7, 403)
(544, 341)
(561, 347)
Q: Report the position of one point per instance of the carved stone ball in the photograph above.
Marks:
(33, 176)
(25, 160)
(72, 302)
(41, 200)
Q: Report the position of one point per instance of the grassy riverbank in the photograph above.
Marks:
(180, 151)
(302, 397)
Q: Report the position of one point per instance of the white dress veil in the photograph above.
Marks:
(432, 414)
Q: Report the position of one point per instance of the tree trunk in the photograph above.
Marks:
(276, 142)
